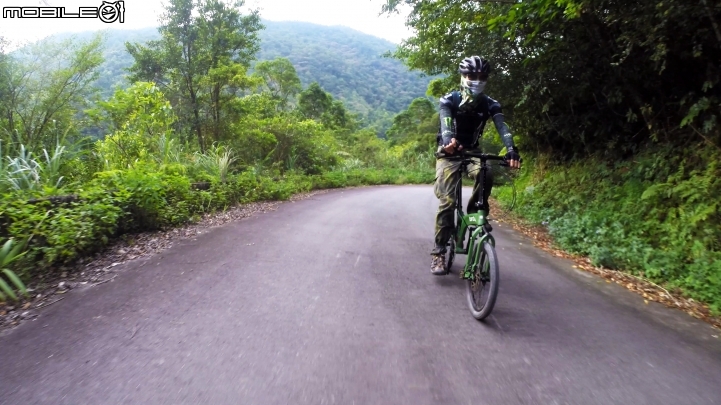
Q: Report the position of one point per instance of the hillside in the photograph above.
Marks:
(346, 63)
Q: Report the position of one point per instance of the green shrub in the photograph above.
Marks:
(657, 215)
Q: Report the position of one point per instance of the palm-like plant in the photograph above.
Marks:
(8, 254)
(24, 172)
(216, 162)
(168, 150)
(51, 168)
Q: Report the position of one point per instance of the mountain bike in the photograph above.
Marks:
(472, 237)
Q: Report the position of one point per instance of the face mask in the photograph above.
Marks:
(476, 87)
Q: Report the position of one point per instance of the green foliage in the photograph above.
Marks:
(284, 141)
(657, 215)
(43, 88)
(307, 143)
(216, 162)
(140, 119)
(582, 77)
(203, 82)
(62, 233)
(280, 80)
(347, 64)
(360, 177)
(25, 172)
(314, 102)
(317, 104)
(417, 123)
(140, 193)
(9, 253)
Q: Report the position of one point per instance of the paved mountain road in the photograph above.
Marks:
(329, 301)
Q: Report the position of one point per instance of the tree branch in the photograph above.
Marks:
(704, 137)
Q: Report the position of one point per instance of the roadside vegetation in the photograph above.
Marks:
(193, 133)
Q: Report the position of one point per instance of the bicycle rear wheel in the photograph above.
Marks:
(482, 290)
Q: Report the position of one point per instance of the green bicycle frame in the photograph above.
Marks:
(474, 221)
(477, 236)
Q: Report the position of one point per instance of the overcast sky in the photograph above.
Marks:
(361, 15)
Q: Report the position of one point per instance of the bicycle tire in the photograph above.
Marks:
(488, 262)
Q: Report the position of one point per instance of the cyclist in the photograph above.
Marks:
(463, 116)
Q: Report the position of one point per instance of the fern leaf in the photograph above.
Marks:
(652, 191)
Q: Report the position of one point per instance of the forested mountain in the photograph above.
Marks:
(346, 63)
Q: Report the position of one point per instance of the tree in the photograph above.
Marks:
(205, 49)
(317, 104)
(5, 94)
(280, 79)
(43, 89)
(314, 101)
(139, 117)
(420, 119)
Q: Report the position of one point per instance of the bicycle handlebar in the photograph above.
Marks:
(464, 154)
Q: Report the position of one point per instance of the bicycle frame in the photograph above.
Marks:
(476, 220)
(471, 223)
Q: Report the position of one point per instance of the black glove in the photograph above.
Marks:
(512, 154)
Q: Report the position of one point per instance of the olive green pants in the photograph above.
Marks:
(448, 173)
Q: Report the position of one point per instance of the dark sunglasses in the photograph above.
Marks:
(477, 76)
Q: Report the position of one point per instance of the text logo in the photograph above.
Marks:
(108, 12)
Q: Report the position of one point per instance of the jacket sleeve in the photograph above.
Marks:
(494, 108)
(446, 117)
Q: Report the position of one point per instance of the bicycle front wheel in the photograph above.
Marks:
(482, 289)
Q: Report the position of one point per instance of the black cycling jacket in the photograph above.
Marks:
(466, 122)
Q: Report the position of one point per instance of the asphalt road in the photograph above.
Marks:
(330, 301)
